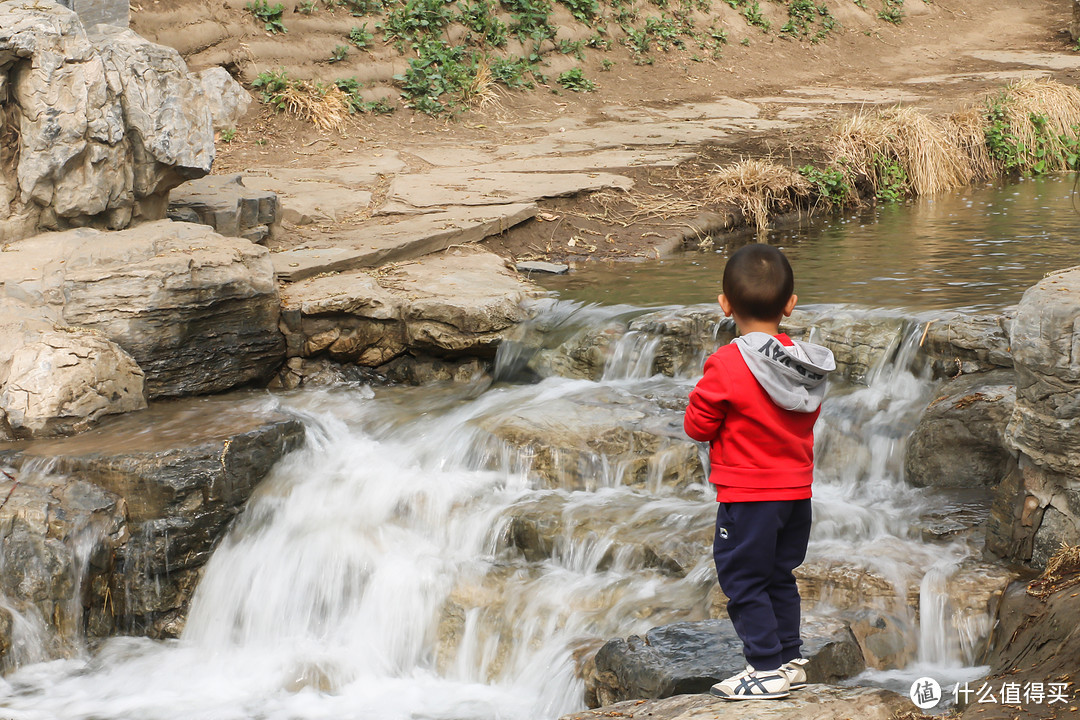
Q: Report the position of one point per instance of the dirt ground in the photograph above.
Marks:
(942, 57)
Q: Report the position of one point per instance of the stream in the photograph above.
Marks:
(455, 552)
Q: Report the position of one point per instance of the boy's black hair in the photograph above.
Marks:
(758, 282)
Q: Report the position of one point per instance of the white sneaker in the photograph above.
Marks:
(796, 672)
(753, 684)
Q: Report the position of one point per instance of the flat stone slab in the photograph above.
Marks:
(446, 187)
(539, 266)
(314, 199)
(371, 245)
(1050, 61)
(814, 702)
(579, 162)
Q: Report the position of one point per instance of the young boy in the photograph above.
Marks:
(756, 406)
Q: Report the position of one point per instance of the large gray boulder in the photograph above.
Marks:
(197, 312)
(228, 99)
(960, 439)
(690, 657)
(103, 125)
(1038, 506)
(456, 303)
(183, 470)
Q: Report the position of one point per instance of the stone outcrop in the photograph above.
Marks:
(223, 203)
(819, 702)
(969, 343)
(690, 657)
(228, 100)
(196, 311)
(177, 474)
(960, 438)
(58, 539)
(1038, 506)
(457, 303)
(94, 129)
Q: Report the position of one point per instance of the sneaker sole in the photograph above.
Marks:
(798, 686)
(765, 696)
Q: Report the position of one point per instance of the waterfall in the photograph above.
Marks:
(454, 552)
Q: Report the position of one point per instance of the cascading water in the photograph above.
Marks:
(421, 557)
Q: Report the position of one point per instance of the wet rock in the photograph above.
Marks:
(461, 302)
(184, 469)
(64, 382)
(622, 532)
(321, 372)
(690, 657)
(423, 370)
(539, 266)
(197, 311)
(227, 99)
(223, 203)
(107, 123)
(966, 343)
(960, 438)
(58, 538)
(677, 341)
(1038, 641)
(819, 702)
(886, 641)
(1039, 503)
(602, 437)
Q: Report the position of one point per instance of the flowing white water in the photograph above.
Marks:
(375, 574)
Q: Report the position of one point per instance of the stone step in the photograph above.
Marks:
(371, 245)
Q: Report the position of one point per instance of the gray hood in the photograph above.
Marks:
(794, 377)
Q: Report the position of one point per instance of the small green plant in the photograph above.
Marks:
(531, 19)
(753, 16)
(361, 8)
(307, 7)
(269, 15)
(272, 86)
(480, 18)
(437, 77)
(639, 43)
(831, 184)
(745, 42)
(892, 11)
(414, 20)
(573, 47)
(575, 80)
(599, 40)
(341, 52)
(1003, 145)
(606, 65)
(228, 135)
(583, 10)
(892, 179)
(361, 38)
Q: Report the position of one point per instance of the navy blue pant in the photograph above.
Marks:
(756, 546)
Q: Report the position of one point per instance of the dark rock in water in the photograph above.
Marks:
(185, 469)
(815, 702)
(690, 657)
(60, 535)
(960, 439)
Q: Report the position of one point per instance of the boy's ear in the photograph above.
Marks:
(724, 305)
(790, 305)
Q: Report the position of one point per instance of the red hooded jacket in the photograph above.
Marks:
(757, 450)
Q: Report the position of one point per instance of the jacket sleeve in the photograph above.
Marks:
(706, 411)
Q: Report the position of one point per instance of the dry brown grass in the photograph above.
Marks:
(759, 188)
(1057, 108)
(482, 92)
(968, 130)
(1062, 571)
(924, 147)
(327, 107)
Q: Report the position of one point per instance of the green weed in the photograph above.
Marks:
(511, 72)
(892, 11)
(831, 185)
(415, 20)
(361, 38)
(753, 16)
(575, 80)
(268, 15)
(892, 179)
(480, 18)
(307, 7)
(272, 86)
(341, 52)
(583, 10)
(228, 135)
